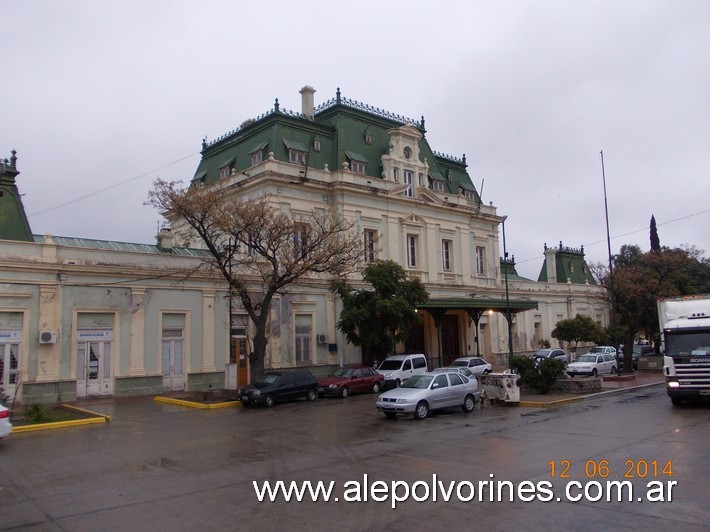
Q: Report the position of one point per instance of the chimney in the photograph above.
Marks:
(307, 108)
(165, 239)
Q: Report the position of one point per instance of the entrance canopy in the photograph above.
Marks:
(478, 305)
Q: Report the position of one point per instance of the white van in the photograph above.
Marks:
(398, 368)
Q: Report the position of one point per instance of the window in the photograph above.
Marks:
(419, 362)
(296, 156)
(480, 260)
(303, 337)
(469, 195)
(446, 249)
(408, 177)
(395, 174)
(407, 152)
(357, 167)
(412, 251)
(422, 180)
(407, 365)
(300, 241)
(224, 171)
(370, 245)
(316, 145)
(256, 157)
(455, 379)
(368, 138)
(440, 381)
(437, 185)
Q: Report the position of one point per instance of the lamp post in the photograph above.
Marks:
(611, 274)
(507, 297)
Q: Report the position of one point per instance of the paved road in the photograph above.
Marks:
(164, 467)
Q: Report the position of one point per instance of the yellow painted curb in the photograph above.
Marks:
(547, 404)
(193, 404)
(58, 424)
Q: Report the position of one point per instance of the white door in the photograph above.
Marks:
(9, 368)
(93, 369)
(172, 360)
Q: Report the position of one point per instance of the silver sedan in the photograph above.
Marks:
(423, 393)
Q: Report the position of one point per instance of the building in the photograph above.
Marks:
(85, 317)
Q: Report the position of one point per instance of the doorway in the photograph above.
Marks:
(93, 363)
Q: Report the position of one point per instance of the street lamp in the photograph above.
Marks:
(507, 297)
(611, 274)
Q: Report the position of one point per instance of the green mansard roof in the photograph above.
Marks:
(340, 129)
(13, 220)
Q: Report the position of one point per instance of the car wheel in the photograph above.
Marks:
(486, 371)
(613, 370)
(398, 383)
(344, 392)
(390, 415)
(422, 410)
(269, 401)
(376, 387)
(311, 395)
(468, 404)
(594, 372)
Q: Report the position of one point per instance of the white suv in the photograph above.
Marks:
(398, 368)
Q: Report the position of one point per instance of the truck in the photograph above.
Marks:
(685, 335)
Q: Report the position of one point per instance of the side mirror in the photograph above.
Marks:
(435, 385)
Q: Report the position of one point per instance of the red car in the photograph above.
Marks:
(344, 381)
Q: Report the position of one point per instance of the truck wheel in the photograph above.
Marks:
(422, 410)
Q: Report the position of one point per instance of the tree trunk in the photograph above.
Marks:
(628, 350)
(257, 357)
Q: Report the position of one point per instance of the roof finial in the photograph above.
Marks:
(337, 95)
(276, 105)
(464, 159)
(13, 159)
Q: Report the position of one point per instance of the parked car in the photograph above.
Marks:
(557, 354)
(476, 364)
(5, 425)
(592, 364)
(422, 393)
(279, 386)
(456, 369)
(344, 381)
(398, 368)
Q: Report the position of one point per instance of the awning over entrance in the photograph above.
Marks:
(479, 304)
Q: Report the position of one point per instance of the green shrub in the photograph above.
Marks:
(37, 414)
(540, 377)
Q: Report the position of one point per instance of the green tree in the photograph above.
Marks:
(578, 329)
(639, 280)
(377, 318)
(655, 241)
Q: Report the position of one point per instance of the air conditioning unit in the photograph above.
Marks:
(47, 337)
(322, 339)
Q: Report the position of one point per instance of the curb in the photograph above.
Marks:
(578, 398)
(100, 418)
(193, 404)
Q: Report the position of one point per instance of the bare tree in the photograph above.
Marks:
(260, 250)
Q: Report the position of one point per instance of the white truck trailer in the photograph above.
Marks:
(685, 333)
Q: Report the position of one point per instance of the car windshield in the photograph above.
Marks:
(343, 372)
(463, 363)
(587, 358)
(267, 378)
(542, 353)
(389, 365)
(417, 381)
(597, 350)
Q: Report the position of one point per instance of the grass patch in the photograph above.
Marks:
(38, 414)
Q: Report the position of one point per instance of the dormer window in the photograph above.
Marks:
(437, 185)
(368, 138)
(226, 167)
(357, 162)
(316, 145)
(469, 195)
(296, 151)
(256, 155)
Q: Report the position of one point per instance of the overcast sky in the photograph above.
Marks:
(99, 98)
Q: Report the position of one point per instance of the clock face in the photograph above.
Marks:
(407, 152)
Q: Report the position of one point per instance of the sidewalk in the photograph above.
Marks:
(610, 384)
